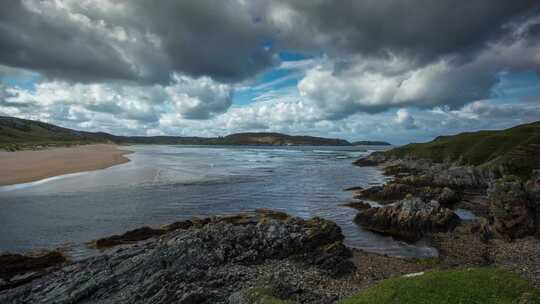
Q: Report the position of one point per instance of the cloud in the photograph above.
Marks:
(191, 98)
(405, 119)
(421, 30)
(377, 69)
(356, 84)
(199, 98)
(233, 40)
(135, 40)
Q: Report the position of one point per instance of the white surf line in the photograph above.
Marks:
(41, 181)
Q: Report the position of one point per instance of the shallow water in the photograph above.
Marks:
(163, 184)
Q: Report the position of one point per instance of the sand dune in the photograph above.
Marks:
(27, 166)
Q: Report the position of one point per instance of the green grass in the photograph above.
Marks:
(517, 149)
(475, 286)
(473, 148)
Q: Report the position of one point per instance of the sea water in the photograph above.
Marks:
(163, 184)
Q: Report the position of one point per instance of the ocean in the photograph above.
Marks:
(163, 184)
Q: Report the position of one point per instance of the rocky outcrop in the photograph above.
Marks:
(399, 189)
(374, 159)
(358, 205)
(386, 193)
(200, 264)
(408, 219)
(511, 211)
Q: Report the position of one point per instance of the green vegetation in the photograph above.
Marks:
(477, 285)
(517, 148)
(371, 143)
(21, 134)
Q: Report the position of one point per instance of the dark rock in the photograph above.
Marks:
(12, 264)
(532, 186)
(361, 205)
(400, 170)
(131, 236)
(408, 219)
(512, 213)
(374, 159)
(448, 196)
(386, 193)
(203, 264)
(356, 188)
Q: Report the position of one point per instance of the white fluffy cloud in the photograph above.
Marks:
(190, 98)
(199, 98)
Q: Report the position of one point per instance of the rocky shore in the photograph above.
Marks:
(206, 262)
(270, 257)
(421, 199)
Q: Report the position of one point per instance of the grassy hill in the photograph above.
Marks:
(16, 133)
(517, 148)
(371, 143)
(278, 139)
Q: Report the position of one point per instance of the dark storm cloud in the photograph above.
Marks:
(421, 29)
(138, 40)
(230, 41)
(56, 47)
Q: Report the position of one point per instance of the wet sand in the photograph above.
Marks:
(28, 166)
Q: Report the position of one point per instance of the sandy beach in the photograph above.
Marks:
(27, 166)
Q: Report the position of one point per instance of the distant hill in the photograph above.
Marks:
(278, 139)
(371, 143)
(16, 133)
(517, 149)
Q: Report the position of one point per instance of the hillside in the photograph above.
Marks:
(371, 143)
(517, 148)
(16, 133)
(278, 139)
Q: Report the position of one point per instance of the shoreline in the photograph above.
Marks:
(34, 165)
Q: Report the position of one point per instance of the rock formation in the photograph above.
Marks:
(201, 264)
(510, 209)
(408, 219)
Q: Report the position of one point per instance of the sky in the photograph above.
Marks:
(396, 70)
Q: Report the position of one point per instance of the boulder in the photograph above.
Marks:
(408, 219)
(511, 212)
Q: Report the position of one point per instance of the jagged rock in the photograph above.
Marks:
(397, 190)
(203, 264)
(408, 219)
(400, 170)
(360, 205)
(131, 236)
(386, 193)
(448, 196)
(510, 209)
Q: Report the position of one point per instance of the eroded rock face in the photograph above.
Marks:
(408, 219)
(510, 209)
(203, 264)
